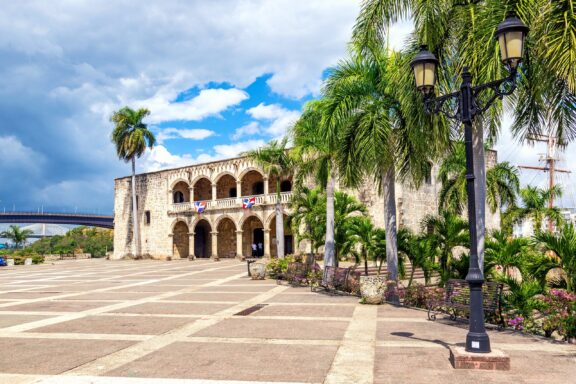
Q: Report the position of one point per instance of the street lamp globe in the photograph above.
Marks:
(511, 34)
(424, 66)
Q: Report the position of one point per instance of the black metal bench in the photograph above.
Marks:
(296, 273)
(334, 280)
(456, 301)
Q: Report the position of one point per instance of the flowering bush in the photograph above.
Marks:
(516, 323)
(277, 266)
(560, 313)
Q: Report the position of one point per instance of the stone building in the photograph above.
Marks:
(172, 226)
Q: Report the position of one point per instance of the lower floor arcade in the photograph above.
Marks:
(227, 238)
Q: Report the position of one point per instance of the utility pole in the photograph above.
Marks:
(550, 160)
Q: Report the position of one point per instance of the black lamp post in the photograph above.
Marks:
(468, 104)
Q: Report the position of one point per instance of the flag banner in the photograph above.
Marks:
(248, 202)
(200, 206)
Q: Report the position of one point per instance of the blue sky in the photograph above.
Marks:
(220, 77)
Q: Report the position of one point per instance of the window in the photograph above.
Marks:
(178, 197)
(286, 186)
(258, 188)
(232, 192)
(147, 217)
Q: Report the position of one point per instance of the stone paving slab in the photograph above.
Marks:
(56, 306)
(151, 288)
(254, 362)
(119, 296)
(127, 325)
(305, 311)
(277, 329)
(174, 308)
(313, 298)
(208, 296)
(237, 288)
(47, 356)
(10, 320)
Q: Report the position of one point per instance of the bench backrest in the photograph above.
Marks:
(458, 292)
(297, 269)
(335, 277)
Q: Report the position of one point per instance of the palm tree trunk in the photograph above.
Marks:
(389, 181)
(411, 275)
(480, 189)
(329, 249)
(279, 223)
(311, 254)
(136, 229)
(365, 261)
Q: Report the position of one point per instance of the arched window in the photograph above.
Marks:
(258, 188)
(232, 192)
(178, 197)
(286, 186)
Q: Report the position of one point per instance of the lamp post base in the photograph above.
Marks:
(496, 360)
(477, 342)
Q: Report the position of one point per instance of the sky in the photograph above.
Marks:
(219, 77)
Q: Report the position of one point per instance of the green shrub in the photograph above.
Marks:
(275, 267)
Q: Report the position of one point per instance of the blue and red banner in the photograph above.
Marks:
(248, 202)
(200, 206)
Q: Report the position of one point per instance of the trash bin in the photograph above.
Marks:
(2, 261)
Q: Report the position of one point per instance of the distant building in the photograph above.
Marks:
(220, 209)
(525, 228)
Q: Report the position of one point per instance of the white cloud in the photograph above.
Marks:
(176, 133)
(278, 117)
(208, 103)
(250, 129)
(160, 158)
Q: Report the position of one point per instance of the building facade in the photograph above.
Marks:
(223, 209)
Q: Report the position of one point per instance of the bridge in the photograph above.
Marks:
(57, 218)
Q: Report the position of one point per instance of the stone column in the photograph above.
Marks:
(266, 189)
(170, 198)
(267, 243)
(215, 246)
(191, 189)
(214, 190)
(239, 190)
(191, 255)
(239, 244)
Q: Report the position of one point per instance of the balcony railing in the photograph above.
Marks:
(231, 202)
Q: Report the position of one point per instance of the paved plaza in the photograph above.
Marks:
(99, 321)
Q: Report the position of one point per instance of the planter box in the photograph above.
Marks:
(10, 262)
(372, 289)
(28, 261)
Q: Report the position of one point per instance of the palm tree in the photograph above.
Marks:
(308, 206)
(460, 33)
(505, 252)
(447, 232)
(563, 249)
(131, 138)
(380, 136)
(359, 238)
(346, 207)
(315, 151)
(17, 235)
(275, 161)
(420, 251)
(536, 206)
(502, 183)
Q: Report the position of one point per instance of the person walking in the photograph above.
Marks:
(260, 249)
(254, 250)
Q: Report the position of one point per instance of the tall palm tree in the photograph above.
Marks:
(315, 151)
(448, 231)
(275, 161)
(131, 138)
(17, 235)
(535, 206)
(502, 183)
(563, 247)
(380, 137)
(460, 33)
(505, 252)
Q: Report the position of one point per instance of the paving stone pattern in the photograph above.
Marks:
(145, 322)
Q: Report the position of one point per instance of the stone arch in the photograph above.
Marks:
(226, 186)
(176, 181)
(249, 169)
(180, 192)
(284, 181)
(252, 183)
(180, 242)
(288, 236)
(202, 189)
(203, 239)
(226, 229)
(252, 233)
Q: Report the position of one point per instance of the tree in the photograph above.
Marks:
(363, 100)
(17, 235)
(131, 138)
(315, 151)
(502, 183)
(346, 208)
(447, 232)
(460, 33)
(535, 206)
(308, 206)
(562, 247)
(420, 251)
(505, 252)
(359, 238)
(275, 161)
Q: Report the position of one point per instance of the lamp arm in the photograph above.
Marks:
(434, 105)
(499, 89)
